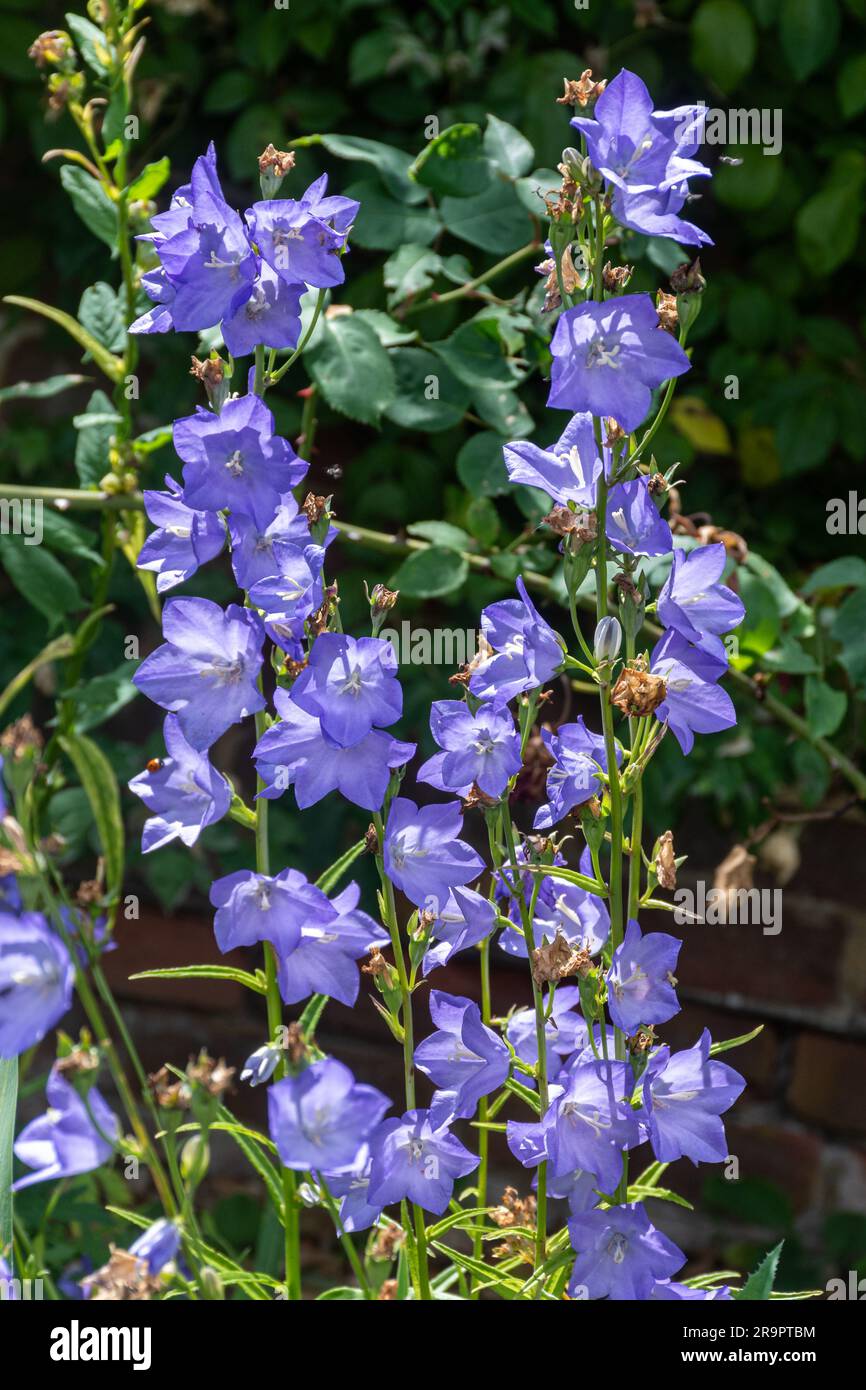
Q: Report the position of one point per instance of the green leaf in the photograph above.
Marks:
(91, 202)
(100, 313)
(205, 972)
(453, 163)
(849, 630)
(825, 707)
(851, 86)
(480, 466)
(759, 1284)
(328, 881)
(95, 429)
(533, 190)
(410, 270)
(352, 369)
(40, 578)
(475, 357)
(428, 396)
(91, 44)
(638, 1193)
(98, 779)
(56, 650)
(392, 165)
(510, 151)
(40, 390)
(849, 571)
(501, 408)
(441, 533)
(100, 698)
(495, 220)
(828, 225)
(387, 330)
(808, 31)
(728, 1043)
(723, 41)
(482, 519)
(383, 223)
(8, 1101)
(106, 361)
(150, 180)
(61, 533)
(430, 573)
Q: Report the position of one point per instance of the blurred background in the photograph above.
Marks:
(783, 315)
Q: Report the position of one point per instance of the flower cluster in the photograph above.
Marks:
(584, 1056)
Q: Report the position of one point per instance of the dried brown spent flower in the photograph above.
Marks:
(476, 797)
(382, 599)
(387, 1291)
(687, 279)
(375, 964)
(314, 507)
(213, 1077)
(514, 1210)
(666, 308)
(557, 959)
(295, 1045)
(276, 161)
(638, 692)
(580, 91)
(565, 522)
(124, 1279)
(169, 1091)
(210, 371)
(20, 737)
(666, 864)
(658, 486)
(643, 1040)
(389, 1240)
(616, 277)
(78, 1062)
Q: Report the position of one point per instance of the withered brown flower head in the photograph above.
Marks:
(375, 964)
(565, 522)
(580, 91)
(643, 1040)
(616, 277)
(124, 1279)
(737, 870)
(387, 1291)
(658, 485)
(78, 1062)
(514, 1210)
(314, 507)
(557, 959)
(210, 371)
(666, 308)
(20, 737)
(296, 1045)
(687, 279)
(213, 1077)
(168, 1091)
(637, 692)
(277, 161)
(382, 599)
(294, 668)
(476, 797)
(666, 864)
(389, 1239)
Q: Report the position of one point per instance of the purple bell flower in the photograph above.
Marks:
(350, 685)
(594, 1122)
(695, 604)
(414, 1158)
(183, 540)
(621, 1255)
(319, 1119)
(640, 982)
(36, 979)
(480, 747)
(633, 524)
(574, 778)
(423, 854)
(70, 1138)
(466, 919)
(694, 702)
(157, 1246)
(465, 1059)
(684, 1093)
(206, 670)
(567, 471)
(526, 652)
(183, 793)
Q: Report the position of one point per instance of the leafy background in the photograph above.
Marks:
(783, 313)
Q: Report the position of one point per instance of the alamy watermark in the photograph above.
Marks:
(438, 646)
(729, 907)
(22, 516)
(737, 126)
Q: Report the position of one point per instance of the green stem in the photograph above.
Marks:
(434, 301)
(483, 1109)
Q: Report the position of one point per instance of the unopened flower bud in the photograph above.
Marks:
(688, 284)
(195, 1158)
(608, 640)
(53, 49)
(261, 1064)
(308, 1196)
(381, 601)
(211, 1283)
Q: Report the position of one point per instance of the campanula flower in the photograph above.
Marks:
(36, 979)
(466, 919)
(684, 1093)
(464, 1058)
(261, 1064)
(423, 854)
(526, 652)
(207, 263)
(350, 685)
(579, 1189)
(568, 470)
(579, 757)
(638, 149)
(295, 752)
(235, 460)
(252, 907)
(640, 982)
(158, 1245)
(695, 604)
(8, 1289)
(608, 358)
(353, 1186)
(270, 317)
(571, 912)
(301, 238)
(564, 1029)
(480, 747)
(182, 792)
(657, 214)
(332, 941)
(633, 524)
(206, 670)
(288, 597)
(319, 1119)
(668, 1290)
(620, 1254)
(10, 894)
(256, 549)
(694, 703)
(417, 1159)
(593, 1121)
(70, 1138)
(183, 539)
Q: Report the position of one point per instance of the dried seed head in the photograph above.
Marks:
(557, 959)
(616, 277)
(213, 1077)
(666, 864)
(580, 91)
(638, 692)
(124, 1279)
(21, 737)
(276, 161)
(666, 308)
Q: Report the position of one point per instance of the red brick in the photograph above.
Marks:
(155, 942)
(827, 1082)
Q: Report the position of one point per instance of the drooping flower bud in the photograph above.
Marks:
(261, 1064)
(608, 640)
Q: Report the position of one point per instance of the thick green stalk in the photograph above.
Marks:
(483, 1109)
